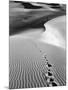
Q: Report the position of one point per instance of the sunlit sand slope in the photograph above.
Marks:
(34, 64)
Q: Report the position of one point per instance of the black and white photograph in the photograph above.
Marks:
(37, 44)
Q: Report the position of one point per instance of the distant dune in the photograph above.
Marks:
(24, 15)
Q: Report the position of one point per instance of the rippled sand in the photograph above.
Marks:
(30, 68)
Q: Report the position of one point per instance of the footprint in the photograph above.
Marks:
(49, 65)
(54, 84)
(49, 74)
(51, 79)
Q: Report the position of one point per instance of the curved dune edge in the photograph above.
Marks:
(55, 33)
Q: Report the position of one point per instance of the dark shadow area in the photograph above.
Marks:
(20, 20)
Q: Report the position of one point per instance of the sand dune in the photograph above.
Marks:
(28, 67)
(37, 56)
